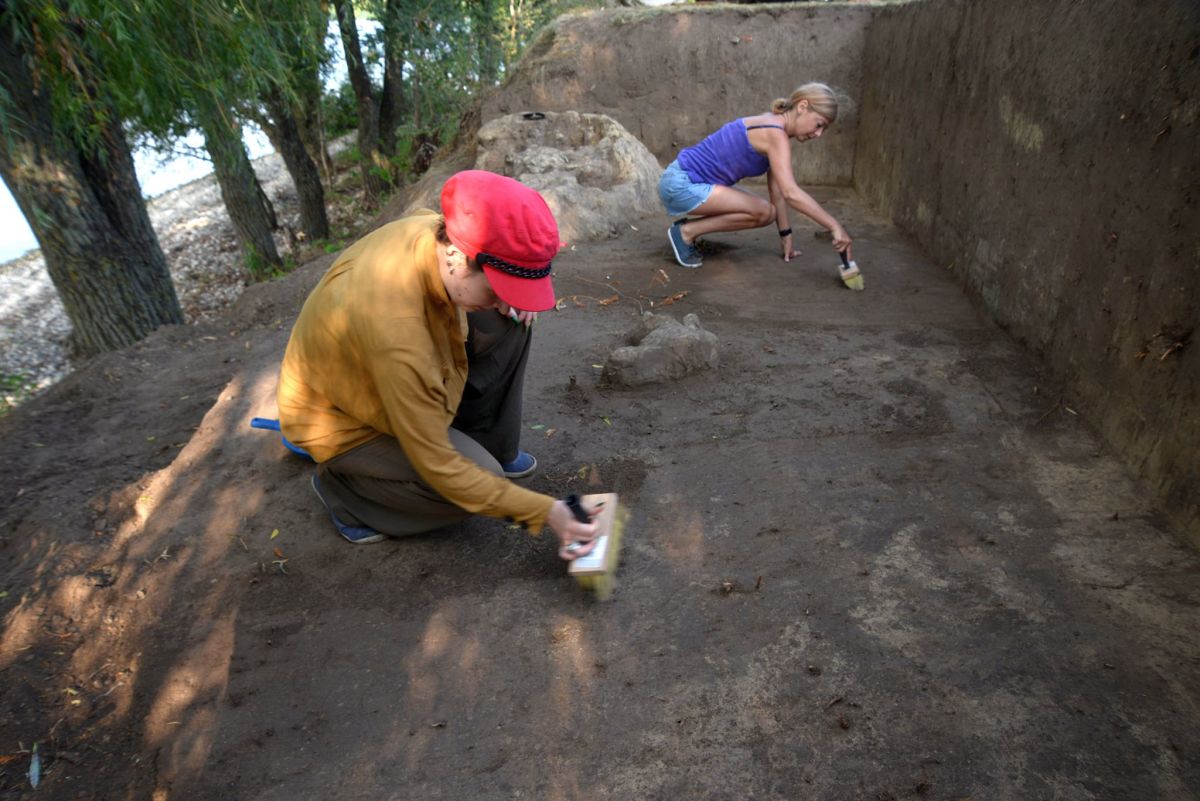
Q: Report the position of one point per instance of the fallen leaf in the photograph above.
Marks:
(536, 427)
(607, 422)
(610, 300)
(598, 366)
(678, 296)
(549, 433)
(582, 472)
(634, 227)
(278, 553)
(560, 304)
(1175, 347)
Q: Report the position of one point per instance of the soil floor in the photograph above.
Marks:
(873, 555)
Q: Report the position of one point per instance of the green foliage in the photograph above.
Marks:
(152, 63)
(15, 389)
(260, 268)
(289, 264)
(382, 174)
(339, 111)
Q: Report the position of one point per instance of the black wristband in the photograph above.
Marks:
(785, 232)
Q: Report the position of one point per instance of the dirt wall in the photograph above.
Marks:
(673, 75)
(1047, 155)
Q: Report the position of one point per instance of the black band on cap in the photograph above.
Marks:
(512, 269)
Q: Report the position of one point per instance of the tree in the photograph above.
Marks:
(284, 104)
(368, 111)
(278, 119)
(64, 156)
(487, 40)
(248, 207)
(391, 100)
(180, 66)
(306, 81)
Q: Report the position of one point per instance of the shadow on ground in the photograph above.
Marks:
(871, 555)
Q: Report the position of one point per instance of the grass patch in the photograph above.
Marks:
(15, 389)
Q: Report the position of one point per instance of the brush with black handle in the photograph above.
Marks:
(851, 277)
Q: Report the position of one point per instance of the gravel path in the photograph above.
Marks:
(197, 237)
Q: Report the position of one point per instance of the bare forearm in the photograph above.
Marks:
(780, 203)
(807, 205)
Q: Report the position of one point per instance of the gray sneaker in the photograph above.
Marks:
(685, 254)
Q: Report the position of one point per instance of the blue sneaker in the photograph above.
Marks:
(521, 466)
(685, 254)
(358, 535)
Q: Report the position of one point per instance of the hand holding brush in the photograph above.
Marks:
(595, 569)
(574, 528)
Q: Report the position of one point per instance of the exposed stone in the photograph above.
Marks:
(662, 349)
(595, 175)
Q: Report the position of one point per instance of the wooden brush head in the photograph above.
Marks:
(596, 562)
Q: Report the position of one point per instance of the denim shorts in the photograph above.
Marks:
(679, 195)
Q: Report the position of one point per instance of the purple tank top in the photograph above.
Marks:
(724, 157)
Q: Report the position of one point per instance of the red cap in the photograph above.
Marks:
(509, 230)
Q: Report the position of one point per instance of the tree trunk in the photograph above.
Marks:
(309, 117)
(86, 209)
(240, 190)
(487, 40)
(368, 114)
(311, 124)
(391, 103)
(282, 129)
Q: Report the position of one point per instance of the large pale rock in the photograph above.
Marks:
(662, 349)
(595, 175)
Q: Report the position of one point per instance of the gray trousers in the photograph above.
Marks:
(376, 485)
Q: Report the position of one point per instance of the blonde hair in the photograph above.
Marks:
(820, 97)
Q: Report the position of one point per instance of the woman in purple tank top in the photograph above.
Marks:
(700, 183)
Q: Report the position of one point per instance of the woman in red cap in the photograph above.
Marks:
(403, 374)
